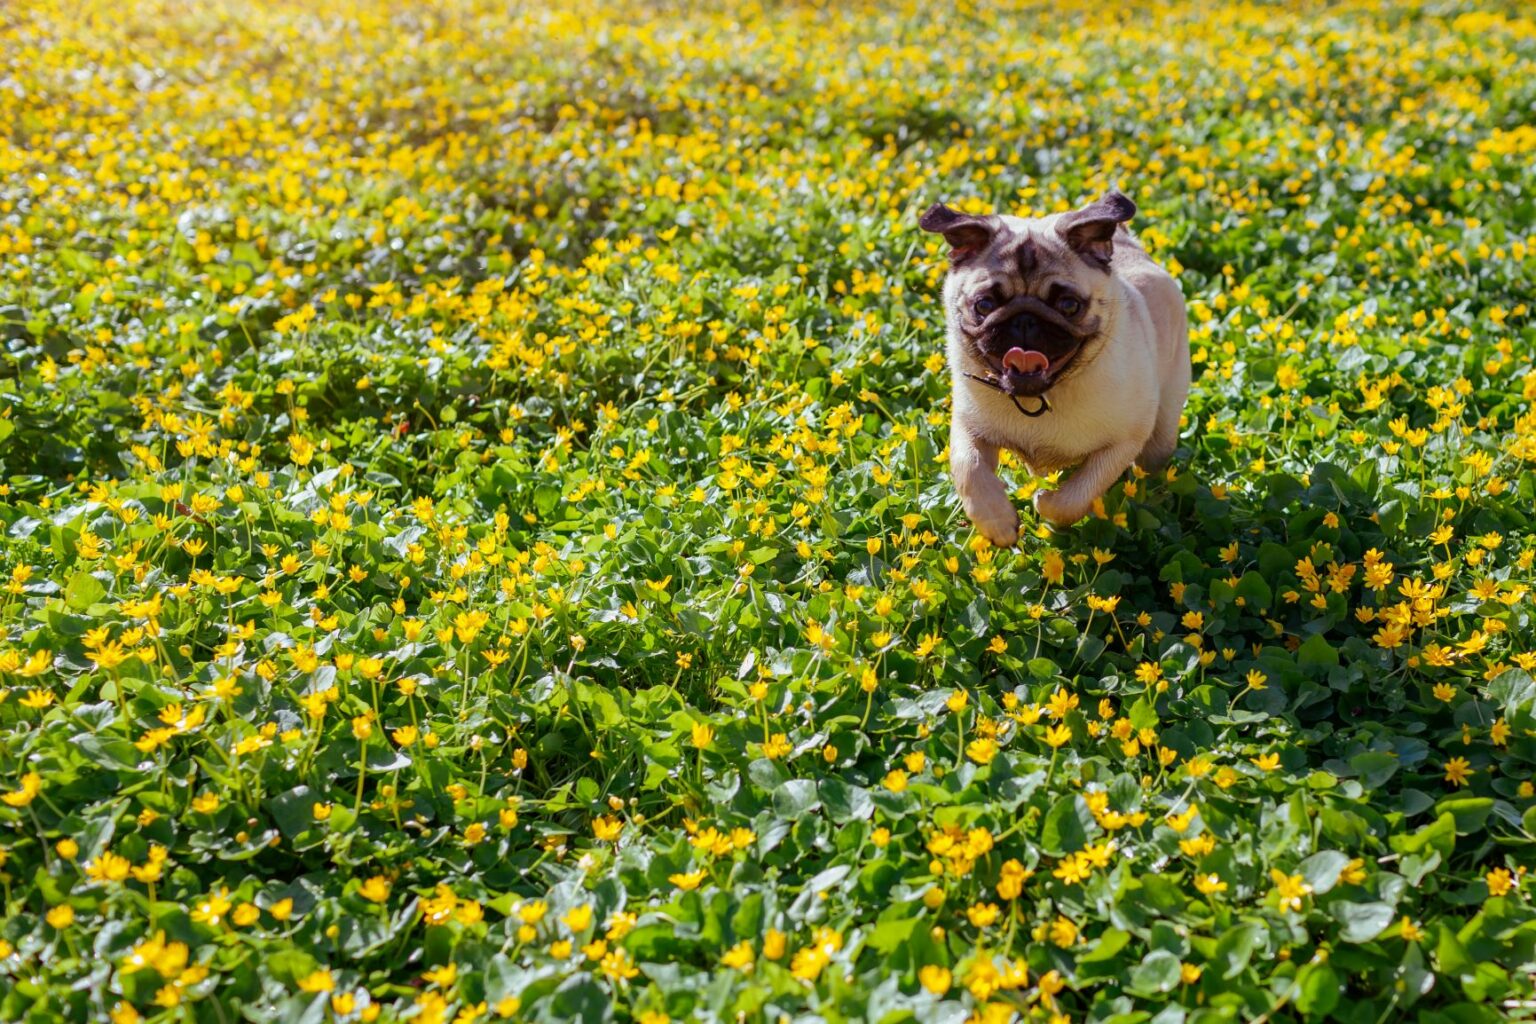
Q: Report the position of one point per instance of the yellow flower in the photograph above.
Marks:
(579, 919)
(1063, 932)
(738, 956)
(1292, 889)
(982, 751)
(442, 976)
(1014, 875)
(317, 981)
(1061, 704)
(1457, 771)
(982, 915)
(61, 916)
(935, 979)
(702, 735)
(212, 909)
(31, 785)
(777, 746)
(109, 867)
(375, 889)
(154, 953)
(687, 882)
(774, 944)
(1500, 881)
(616, 966)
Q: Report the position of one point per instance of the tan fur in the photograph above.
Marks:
(1120, 403)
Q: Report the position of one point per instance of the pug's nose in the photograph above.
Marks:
(1021, 327)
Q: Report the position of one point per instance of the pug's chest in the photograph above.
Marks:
(1054, 440)
(1042, 450)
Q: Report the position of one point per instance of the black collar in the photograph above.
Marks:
(991, 382)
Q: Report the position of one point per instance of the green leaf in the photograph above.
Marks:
(1321, 870)
(1066, 826)
(1159, 971)
(1143, 714)
(889, 935)
(1512, 689)
(1013, 790)
(1361, 922)
(112, 752)
(845, 803)
(1109, 943)
(293, 811)
(1235, 948)
(795, 799)
(83, 591)
(1274, 560)
(1450, 955)
(1254, 589)
(1374, 767)
(1316, 650)
(1318, 989)
(1042, 668)
(1413, 977)
(1439, 836)
(579, 998)
(1469, 812)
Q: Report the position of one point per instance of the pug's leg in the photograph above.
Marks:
(973, 463)
(1165, 434)
(1159, 447)
(1170, 409)
(1073, 497)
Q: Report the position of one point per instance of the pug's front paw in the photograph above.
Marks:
(1056, 509)
(997, 521)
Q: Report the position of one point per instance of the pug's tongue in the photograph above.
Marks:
(1025, 360)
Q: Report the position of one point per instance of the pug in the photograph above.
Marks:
(1067, 344)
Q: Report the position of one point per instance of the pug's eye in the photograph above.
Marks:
(985, 305)
(1069, 306)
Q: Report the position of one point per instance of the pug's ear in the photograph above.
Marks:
(965, 233)
(1091, 231)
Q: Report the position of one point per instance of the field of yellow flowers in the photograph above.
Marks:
(475, 540)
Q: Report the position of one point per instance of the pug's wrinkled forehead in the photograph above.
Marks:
(1007, 247)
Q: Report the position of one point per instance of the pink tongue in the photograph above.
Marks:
(1025, 361)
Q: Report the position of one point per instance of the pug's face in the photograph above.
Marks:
(1028, 294)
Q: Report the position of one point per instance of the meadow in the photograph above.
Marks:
(476, 542)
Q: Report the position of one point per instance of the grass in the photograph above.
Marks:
(476, 543)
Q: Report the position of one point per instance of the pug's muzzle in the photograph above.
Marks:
(1028, 345)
